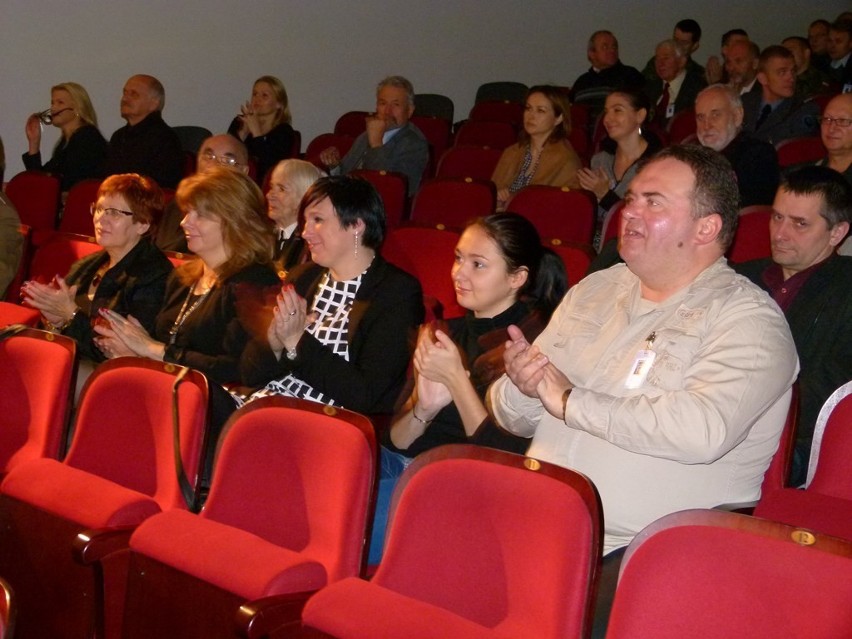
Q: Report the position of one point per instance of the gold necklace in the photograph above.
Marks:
(186, 312)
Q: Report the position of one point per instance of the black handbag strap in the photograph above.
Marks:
(12, 329)
(185, 487)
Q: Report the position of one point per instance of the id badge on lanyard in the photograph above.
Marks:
(642, 364)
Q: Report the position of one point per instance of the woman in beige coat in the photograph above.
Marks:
(543, 155)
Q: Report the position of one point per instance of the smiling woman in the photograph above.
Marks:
(80, 152)
(211, 302)
(264, 124)
(127, 277)
(342, 327)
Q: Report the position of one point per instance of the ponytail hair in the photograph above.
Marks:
(520, 244)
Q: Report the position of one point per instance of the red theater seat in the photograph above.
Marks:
(482, 543)
(288, 510)
(120, 469)
(707, 573)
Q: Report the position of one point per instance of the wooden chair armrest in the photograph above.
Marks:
(259, 618)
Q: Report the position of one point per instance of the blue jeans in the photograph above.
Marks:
(391, 466)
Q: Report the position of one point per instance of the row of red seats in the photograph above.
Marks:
(427, 252)
(289, 511)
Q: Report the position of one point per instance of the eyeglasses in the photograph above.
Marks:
(110, 214)
(224, 160)
(827, 121)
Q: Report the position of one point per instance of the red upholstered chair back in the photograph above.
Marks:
(463, 161)
(393, 189)
(13, 291)
(496, 135)
(124, 427)
(751, 241)
(18, 314)
(505, 541)
(37, 371)
(77, 215)
(299, 475)
(576, 256)
(453, 202)
(681, 126)
(351, 123)
(58, 253)
(428, 255)
(498, 111)
(324, 141)
(776, 475)
(708, 573)
(36, 197)
(561, 213)
(437, 132)
(800, 150)
(831, 450)
(611, 223)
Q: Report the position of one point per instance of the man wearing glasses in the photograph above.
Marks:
(836, 132)
(217, 150)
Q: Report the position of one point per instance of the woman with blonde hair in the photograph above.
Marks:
(80, 152)
(264, 124)
(211, 301)
(543, 154)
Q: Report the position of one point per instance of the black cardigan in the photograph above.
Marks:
(213, 337)
(81, 158)
(135, 286)
(388, 308)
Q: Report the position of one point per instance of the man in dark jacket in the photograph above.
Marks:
(606, 74)
(813, 286)
(719, 119)
(146, 145)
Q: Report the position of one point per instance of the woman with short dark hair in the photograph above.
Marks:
(342, 326)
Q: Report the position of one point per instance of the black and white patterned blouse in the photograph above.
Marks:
(332, 304)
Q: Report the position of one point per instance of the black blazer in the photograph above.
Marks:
(213, 337)
(387, 310)
(756, 164)
(135, 286)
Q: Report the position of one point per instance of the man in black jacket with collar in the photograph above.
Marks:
(813, 286)
(776, 113)
(146, 145)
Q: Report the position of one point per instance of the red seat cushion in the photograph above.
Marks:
(230, 558)
(77, 496)
(353, 608)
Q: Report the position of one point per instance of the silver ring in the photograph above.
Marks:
(291, 313)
